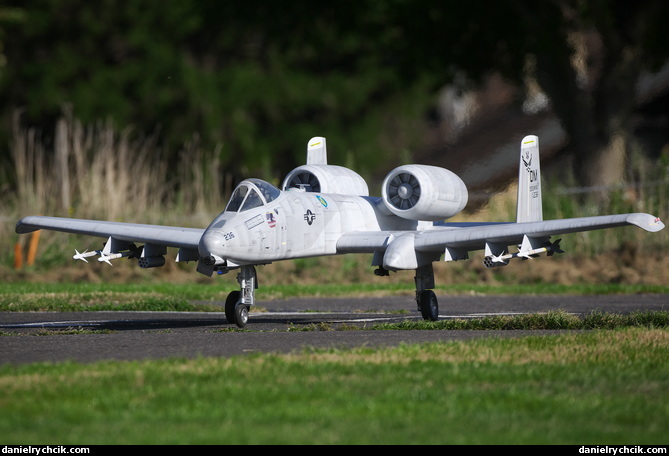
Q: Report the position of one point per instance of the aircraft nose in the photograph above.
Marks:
(210, 248)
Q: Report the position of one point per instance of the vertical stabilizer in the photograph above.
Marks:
(317, 152)
(529, 182)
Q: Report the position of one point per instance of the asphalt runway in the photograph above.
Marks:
(279, 328)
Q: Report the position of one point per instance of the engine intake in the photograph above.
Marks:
(423, 192)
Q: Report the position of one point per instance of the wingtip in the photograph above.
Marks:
(23, 227)
(647, 222)
(658, 223)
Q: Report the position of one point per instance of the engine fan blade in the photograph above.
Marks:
(404, 191)
(307, 181)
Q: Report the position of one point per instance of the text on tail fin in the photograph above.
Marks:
(529, 206)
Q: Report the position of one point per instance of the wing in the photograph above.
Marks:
(475, 237)
(411, 249)
(166, 236)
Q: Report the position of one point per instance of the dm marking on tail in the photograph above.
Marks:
(529, 182)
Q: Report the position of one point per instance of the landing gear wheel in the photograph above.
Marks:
(235, 311)
(241, 315)
(429, 307)
(230, 305)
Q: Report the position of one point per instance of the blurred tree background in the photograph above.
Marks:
(254, 80)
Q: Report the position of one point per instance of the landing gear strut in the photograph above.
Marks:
(238, 302)
(425, 297)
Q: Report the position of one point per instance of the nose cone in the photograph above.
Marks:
(211, 246)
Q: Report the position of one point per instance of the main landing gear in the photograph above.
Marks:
(425, 297)
(238, 302)
(426, 300)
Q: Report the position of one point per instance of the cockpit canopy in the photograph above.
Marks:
(252, 193)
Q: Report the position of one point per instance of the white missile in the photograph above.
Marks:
(530, 253)
(85, 254)
(502, 260)
(112, 256)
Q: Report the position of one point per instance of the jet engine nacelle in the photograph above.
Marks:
(321, 178)
(423, 192)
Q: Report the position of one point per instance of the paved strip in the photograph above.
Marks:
(154, 335)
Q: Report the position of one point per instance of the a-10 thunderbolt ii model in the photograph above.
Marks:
(324, 209)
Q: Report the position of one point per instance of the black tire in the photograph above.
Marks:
(429, 307)
(241, 315)
(230, 305)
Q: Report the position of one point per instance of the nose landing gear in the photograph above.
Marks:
(238, 302)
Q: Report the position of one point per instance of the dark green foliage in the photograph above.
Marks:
(255, 80)
(259, 79)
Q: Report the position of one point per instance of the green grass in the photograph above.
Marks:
(591, 386)
(82, 296)
(555, 320)
(580, 388)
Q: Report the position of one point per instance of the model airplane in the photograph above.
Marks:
(325, 209)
